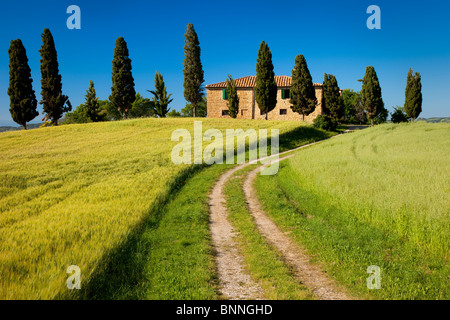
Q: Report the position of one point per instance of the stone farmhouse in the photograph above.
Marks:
(217, 103)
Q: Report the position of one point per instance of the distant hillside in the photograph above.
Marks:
(6, 128)
(435, 120)
(29, 126)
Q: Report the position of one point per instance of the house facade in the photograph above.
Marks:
(217, 100)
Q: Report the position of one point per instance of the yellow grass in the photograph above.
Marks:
(69, 195)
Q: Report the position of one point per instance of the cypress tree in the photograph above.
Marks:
(123, 93)
(332, 102)
(53, 101)
(22, 98)
(371, 94)
(413, 95)
(160, 100)
(233, 99)
(266, 87)
(92, 106)
(303, 95)
(193, 71)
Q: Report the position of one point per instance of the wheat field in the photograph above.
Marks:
(380, 197)
(71, 194)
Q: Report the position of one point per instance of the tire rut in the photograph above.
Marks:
(234, 282)
(309, 274)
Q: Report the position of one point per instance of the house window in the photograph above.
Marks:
(224, 94)
(225, 112)
(283, 111)
(285, 93)
(242, 112)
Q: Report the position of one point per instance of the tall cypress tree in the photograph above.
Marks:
(332, 102)
(92, 106)
(193, 71)
(266, 87)
(303, 95)
(123, 93)
(371, 94)
(413, 95)
(53, 101)
(160, 100)
(22, 98)
(233, 98)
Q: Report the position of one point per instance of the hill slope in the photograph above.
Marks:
(374, 197)
(69, 195)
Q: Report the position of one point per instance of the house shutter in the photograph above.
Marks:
(282, 93)
(223, 94)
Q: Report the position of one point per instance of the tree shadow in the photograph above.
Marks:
(121, 271)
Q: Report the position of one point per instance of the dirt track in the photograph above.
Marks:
(235, 283)
(310, 275)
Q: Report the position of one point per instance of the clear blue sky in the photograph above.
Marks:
(332, 35)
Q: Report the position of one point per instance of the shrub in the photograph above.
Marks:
(325, 122)
(174, 114)
(399, 115)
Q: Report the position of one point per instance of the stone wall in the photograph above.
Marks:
(248, 107)
(216, 104)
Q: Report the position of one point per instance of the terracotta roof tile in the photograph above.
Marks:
(250, 82)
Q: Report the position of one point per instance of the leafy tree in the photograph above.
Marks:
(332, 102)
(233, 99)
(303, 94)
(111, 110)
(399, 115)
(160, 100)
(21, 94)
(353, 109)
(413, 95)
(79, 115)
(122, 90)
(193, 71)
(142, 107)
(349, 98)
(266, 87)
(371, 94)
(187, 111)
(93, 111)
(55, 104)
(107, 111)
(353, 112)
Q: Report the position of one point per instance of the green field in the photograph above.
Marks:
(379, 196)
(80, 194)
